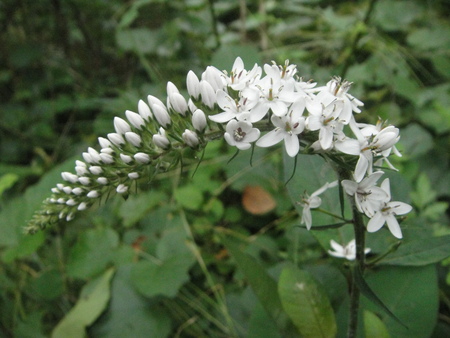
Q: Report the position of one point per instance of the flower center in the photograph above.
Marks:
(239, 135)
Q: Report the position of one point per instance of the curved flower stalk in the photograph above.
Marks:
(238, 106)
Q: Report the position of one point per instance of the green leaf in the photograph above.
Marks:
(130, 314)
(164, 278)
(189, 196)
(7, 181)
(262, 284)
(374, 326)
(92, 302)
(412, 293)
(92, 253)
(420, 252)
(306, 303)
(372, 296)
(137, 206)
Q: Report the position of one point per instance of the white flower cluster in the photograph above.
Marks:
(240, 106)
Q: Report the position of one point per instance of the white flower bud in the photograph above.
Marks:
(52, 200)
(84, 180)
(178, 103)
(94, 155)
(87, 157)
(126, 158)
(61, 215)
(160, 140)
(190, 138)
(193, 85)
(171, 89)
(121, 189)
(102, 180)
(214, 77)
(61, 200)
(60, 186)
(116, 139)
(55, 190)
(154, 101)
(67, 190)
(144, 110)
(71, 202)
(92, 194)
(69, 177)
(95, 170)
(82, 206)
(192, 107)
(136, 120)
(161, 115)
(199, 120)
(80, 163)
(106, 151)
(121, 126)
(81, 170)
(70, 217)
(142, 158)
(133, 138)
(77, 191)
(133, 176)
(106, 158)
(104, 143)
(208, 94)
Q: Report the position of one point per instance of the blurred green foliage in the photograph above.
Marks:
(157, 262)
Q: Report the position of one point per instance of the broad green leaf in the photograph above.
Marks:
(129, 314)
(306, 303)
(137, 206)
(152, 279)
(262, 284)
(420, 252)
(92, 253)
(374, 327)
(49, 285)
(411, 293)
(92, 302)
(371, 295)
(261, 325)
(189, 196)
(27, 245)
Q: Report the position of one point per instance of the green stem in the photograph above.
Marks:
(359, 230)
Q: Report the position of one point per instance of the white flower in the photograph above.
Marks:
(214, 77)
(347, 252)
(368, 197)
(323, 117)
(240, 78)
(234, 108)
(287, 128)
(339, 89)
(387, 212)
(274, 95)
(178, 103)
(240, 134)
(312, 202)
(104, 143)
